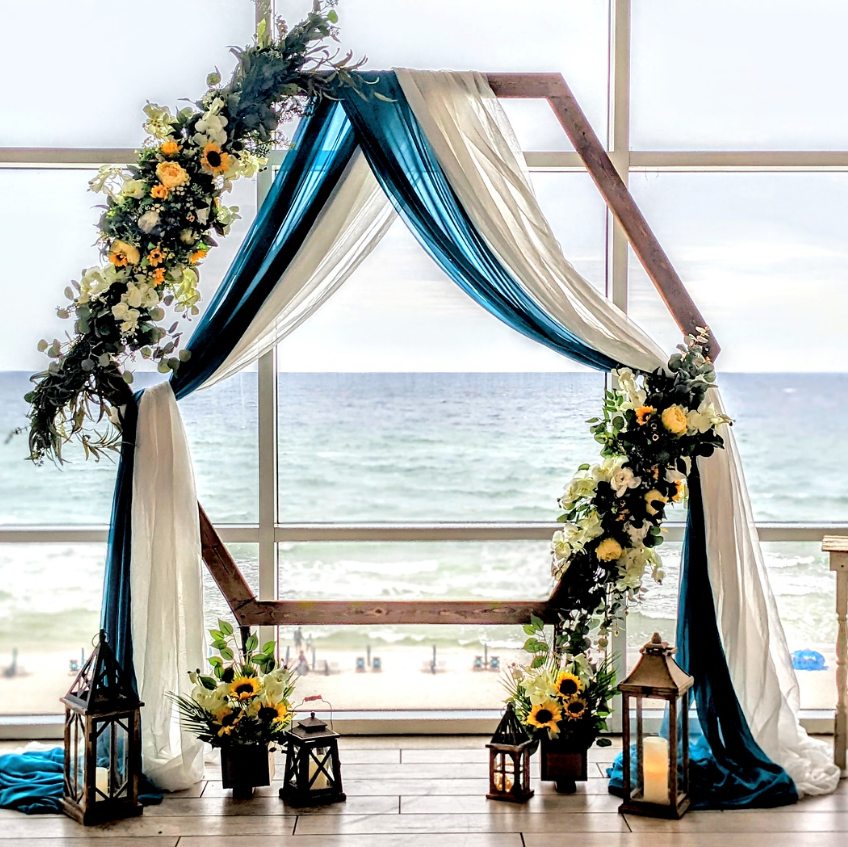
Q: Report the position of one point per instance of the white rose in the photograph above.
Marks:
(134, 188)
(148, 221)
(624, 479)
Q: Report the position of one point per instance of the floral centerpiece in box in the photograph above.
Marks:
(563, 700)
(243, 707)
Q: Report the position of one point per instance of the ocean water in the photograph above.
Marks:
(421, 447)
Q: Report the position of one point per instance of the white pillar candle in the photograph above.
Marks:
(655, 770)
(101, 780)
(321, 780)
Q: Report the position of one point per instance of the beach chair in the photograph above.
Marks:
(376, 664)
(360, 664)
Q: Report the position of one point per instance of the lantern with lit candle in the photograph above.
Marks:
(509, 760)
(313, 773)
(657, 782)
(102, 741)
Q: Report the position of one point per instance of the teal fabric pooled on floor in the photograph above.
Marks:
(32, 782)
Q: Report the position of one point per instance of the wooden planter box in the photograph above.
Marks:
(564, 764)
(245, 767)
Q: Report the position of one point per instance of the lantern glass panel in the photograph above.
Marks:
(77, 764)
(112, 758)
(321, 768)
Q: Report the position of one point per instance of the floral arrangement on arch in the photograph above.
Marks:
(653, 427)
(244, 701)
(162, 216)
(565, 696)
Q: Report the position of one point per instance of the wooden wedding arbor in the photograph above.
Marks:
(249, 611)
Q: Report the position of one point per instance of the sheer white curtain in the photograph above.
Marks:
(476, 147)
(167, 601)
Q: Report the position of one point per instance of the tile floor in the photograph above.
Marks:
(430, 792)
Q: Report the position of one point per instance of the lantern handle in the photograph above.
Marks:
(313, 697)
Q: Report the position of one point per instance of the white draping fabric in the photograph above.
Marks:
(351, 225)
(471, 137)
(480, 155)
(751, 631)
(166, 588)
(167, 601)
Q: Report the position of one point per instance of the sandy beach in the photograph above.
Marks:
(405, 680)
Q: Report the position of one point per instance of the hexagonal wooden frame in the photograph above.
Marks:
(249, 611)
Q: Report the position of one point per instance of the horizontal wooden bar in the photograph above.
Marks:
(371, 612)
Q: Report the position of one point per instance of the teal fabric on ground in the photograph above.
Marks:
(32, 782)
(727, 768)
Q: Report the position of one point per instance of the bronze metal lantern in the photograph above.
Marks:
(658, 783)
(509, 760)
(102, 741)
(313, 773)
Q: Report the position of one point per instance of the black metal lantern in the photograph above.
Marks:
(660, 785)
(509, 760)
(313, 773)
(102, 742)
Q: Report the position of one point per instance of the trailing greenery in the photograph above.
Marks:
(162, 216)
(653, 427)
(243, 701)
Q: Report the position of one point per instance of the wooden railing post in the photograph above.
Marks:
(837, 547)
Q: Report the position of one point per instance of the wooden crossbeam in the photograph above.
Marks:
(252, 612)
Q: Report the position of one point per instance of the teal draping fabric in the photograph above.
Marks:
(728, 770)
(32, 782)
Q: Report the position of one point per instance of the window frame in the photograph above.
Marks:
(269, 532)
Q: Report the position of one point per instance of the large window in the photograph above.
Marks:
(403, 443)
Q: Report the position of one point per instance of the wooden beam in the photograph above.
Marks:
(371, 612)
(223, 567)
(555, 90)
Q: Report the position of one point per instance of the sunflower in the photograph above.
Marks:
(244, 687)
(227, 719)
(155, 257)
(545, 715)
(197, 256)
(213, 160)
(159, 276)
(575, 709)
(270, 713)
(568, 685)
(643, 414)
(124, 254)
(170, 148)
(680, 490)
(159, 192)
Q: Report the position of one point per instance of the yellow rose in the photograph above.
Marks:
(609, 550)
(674, 420)
(171, 175)
(652, 496)
(124, 254)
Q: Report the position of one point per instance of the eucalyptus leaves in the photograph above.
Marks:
(653, 427)
(163, 214)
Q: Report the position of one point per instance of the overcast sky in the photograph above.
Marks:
(764, 255)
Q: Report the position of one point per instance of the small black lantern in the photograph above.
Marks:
(509, 760)
(313, 773)
(660, 785)
(102, 742)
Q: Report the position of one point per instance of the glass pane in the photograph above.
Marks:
(805, 592)
(415, 668)
(161, 54)
(49, 613)
(421, 570)
(763, 256)
(214, 605)
(569, 37)
(738, 74)
(112, 753)
(401, 399)
(58, 202)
